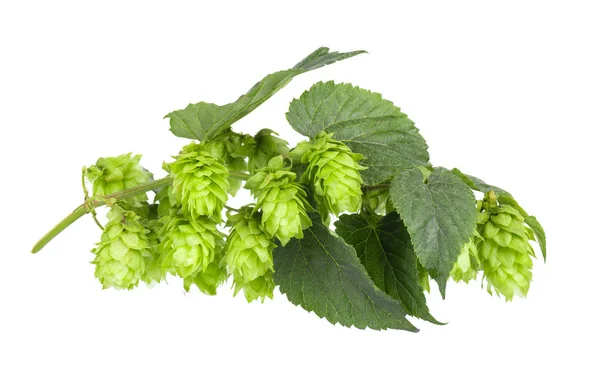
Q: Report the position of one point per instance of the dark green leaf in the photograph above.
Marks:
(367, 123)
(388, 255)
(205, 121)
(439, 215)
(322, 273)
(540, 235)
(478, 184)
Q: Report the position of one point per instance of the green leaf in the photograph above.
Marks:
(204, 121)
(387, 253)
(478, 184)
(322, 273)
(367, 123)
(439, 215)
(539, 232)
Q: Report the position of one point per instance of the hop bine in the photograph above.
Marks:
(282, 201)
(334, 172)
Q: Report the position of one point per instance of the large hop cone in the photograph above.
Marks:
(334, 171)
(249, 250)
(261, 148)
(225, 148)
(122, 251)
(505, 252)
(189, 247)
(113, 174)
(468, 264)
(200, 183)
(282, 201)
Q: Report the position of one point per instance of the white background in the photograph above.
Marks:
(508, 92)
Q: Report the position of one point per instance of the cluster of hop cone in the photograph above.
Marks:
(182, 232)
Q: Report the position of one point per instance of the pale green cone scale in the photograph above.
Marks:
(200, 183)
(123, 250)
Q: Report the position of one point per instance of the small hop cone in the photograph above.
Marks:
(282, 201)
(200, 183)
(334, 171)
(260, 288)
(377, 200)
(249, 250)
(261, 148)
(122, 251)
(505, 251)
(467, 265)
(113, 174)
(189, 247)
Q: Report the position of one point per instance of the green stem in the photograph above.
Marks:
(90, 204)
(239, 175)
(376, 187)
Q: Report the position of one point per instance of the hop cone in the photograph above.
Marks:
(261, 148)
(225, 147)
(249, 253)
(189, 247)
(334, 171)
(282, 201)
(468, 264)
(377, 201)
(153, 271)
(260, 288)
(122, 251)
(209, 279)
(113, 174)
(200, 183)
(505, 251)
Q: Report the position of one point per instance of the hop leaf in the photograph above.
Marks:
(122, 251)
(334, 171)
(200, 183)
(112, 174)
(189, 247)
(282, 201)
(505, 251)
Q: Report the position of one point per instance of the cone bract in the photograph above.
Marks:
(333, 170)
(200, 183)
(282, 201)
(122, 251)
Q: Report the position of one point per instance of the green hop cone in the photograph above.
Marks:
(504, 251)
(468, 264)
(378, 201)
(189, 247)
(249, 250)
(260, 288)
(112, 174)
(153, 271)
(282, 201)
(261, 148)
(200, 183)
(122, 251)
(209, 279)
(225, 147)
(334, 171)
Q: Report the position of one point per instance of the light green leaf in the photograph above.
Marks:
(204, 121)
(439, 214)
(539, 232)
(367, 123)
(385, 249)
(478, 184)
(322, 273)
